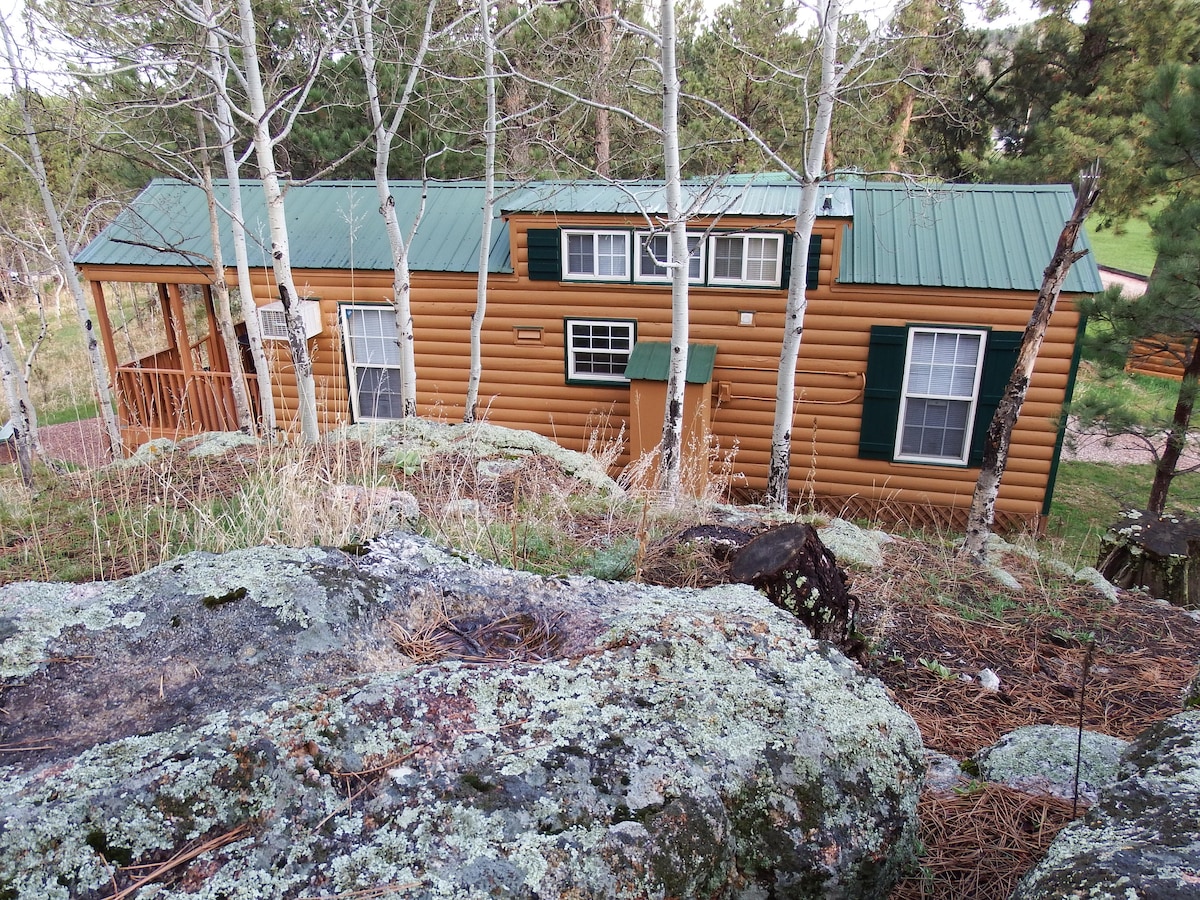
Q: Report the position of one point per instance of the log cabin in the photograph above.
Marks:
(917, 300)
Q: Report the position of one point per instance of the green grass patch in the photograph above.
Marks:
(1089, 496)
(1129, 246)
(1151, 399)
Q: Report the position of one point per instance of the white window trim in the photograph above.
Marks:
(640, 238)
(573, 375)
(568, 275)
(745, 237)
(898, 455)
(345, 313)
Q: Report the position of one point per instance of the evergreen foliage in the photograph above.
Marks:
(1166, 321)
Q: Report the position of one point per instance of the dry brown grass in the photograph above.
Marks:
(926, 604)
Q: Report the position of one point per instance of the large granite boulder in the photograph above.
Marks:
(1142, 838)
(281, 723)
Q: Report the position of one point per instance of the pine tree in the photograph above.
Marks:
(1167, 318)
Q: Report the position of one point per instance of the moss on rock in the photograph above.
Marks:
(683, 743)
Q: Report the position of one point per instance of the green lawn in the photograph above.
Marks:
(1128, 247)
(1089, 496)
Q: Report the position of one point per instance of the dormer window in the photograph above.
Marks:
(654, 251)
(596, 255)
(747, 259)
(724, 259)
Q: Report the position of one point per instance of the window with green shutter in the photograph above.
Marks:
(545, 263)
(931, 391)
(756, 259)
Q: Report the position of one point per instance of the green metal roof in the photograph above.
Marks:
(999, 237)
(770, 195)
(650, 361)
(996, 237)
(331, 225)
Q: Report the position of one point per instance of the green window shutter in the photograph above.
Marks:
(814, 261)
(999, 358)
(545, 254)
(881, 396)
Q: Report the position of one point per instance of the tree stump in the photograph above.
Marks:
(1158, 555)
(800, 574)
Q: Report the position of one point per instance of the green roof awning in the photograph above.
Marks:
(650, 360)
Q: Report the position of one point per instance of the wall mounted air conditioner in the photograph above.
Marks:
(273, 321)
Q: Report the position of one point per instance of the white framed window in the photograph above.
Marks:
(598, 350)
(595, 255)
(654, 251)
(749, 259)
(937, 401)
(372, 344)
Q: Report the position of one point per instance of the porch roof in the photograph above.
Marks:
(331, 225)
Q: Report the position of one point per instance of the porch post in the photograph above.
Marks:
(179, 330)
(165, 302)
(216, 345)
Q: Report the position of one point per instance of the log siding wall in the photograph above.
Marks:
(524, 381)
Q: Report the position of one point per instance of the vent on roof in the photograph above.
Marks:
(273, 320)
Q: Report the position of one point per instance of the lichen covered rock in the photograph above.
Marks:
(1040, 759)
(1142, 838)
(650, 743)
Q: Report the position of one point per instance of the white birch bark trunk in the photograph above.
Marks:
(37, 169)
(31, 352)
(18, 408)
(384, 135)
(277, 222)
(999, 434)
(797, 299)
(223, 120)
(237, 381)
(475, 375)
(671, 449)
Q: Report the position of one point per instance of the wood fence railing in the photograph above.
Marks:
(170, 402)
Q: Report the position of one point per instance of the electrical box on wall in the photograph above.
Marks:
(272, 319)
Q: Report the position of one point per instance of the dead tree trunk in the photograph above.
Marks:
(999, 433)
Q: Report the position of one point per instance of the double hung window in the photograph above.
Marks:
(372, 343)
(930, 391)
(941, 383)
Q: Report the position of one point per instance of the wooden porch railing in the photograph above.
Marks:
(168, 403)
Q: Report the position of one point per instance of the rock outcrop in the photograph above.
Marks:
(283, 723)
(1142, 838)
(1041, 759)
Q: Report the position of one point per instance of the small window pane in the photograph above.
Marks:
(695, 262)
(654, 247)
(580, 256)
(374, 337)
(727, 258)
(761, 254)
(935, 428)
(610, 253)
(379, 395)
